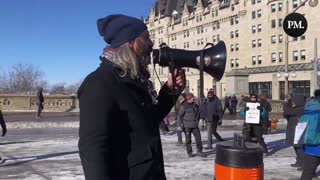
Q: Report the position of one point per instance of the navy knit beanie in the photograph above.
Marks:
(118, 29)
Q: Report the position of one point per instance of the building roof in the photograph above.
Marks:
(278, 68)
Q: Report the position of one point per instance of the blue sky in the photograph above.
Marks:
(58, 36)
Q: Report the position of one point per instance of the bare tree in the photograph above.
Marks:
(73, 88)
(22, 78)
(58, 89)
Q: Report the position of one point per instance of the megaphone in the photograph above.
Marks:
(214, 59)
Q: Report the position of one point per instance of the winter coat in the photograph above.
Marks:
(263, 114)
(312, 132)
(214, 110)
(267, 106)
(119, 126)
(203, 110)
(188, 115)
(40, 99)
(293, 111)
(234, 101)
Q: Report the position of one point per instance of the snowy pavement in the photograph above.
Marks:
(52, 153)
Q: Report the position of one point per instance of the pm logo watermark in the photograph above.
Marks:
(295, 24)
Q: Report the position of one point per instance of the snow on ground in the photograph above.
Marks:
(55, 156)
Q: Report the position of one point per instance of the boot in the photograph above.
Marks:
(190, 155)
(201, 154)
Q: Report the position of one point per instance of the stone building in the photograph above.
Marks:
(255, 40)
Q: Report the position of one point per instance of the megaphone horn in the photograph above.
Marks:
(214, 59)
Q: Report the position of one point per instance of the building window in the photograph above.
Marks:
(295, 39)
(280, 22)
(280, 7)
(253, 43)
(237, 33)
(273, 8)
(301, 88)
(253, 29)
(237, 47)
(273, 23)
(280, 56)
(253, 2)
(258, 1)
(231, 21)
(254, 60)
(280, 38)
(231, 47)
(218, 38)
(253, 15)
(273, 39)
(237, 62)
(295, 3)
(295, 56)
(232, 63)
(232, 7)
(218, 25)
(236, 19)
(303, 37)
(201, 41)
(259, 14)
(198, 42)
(273, 57)
(259, 42)
(261, 88)
(259, 28)
(213, 38)
(303, 55)
(259, 59)
(231, 34)
(302, 4)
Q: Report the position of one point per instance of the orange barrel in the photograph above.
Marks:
(234, 162)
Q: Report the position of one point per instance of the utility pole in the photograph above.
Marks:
(286, 61)
(315, 64)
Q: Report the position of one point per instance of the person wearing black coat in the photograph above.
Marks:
(214, 117)
(188, 121)
(293, 109)
(119, 119)
(265, 120)
(4, 130)
(39, 102)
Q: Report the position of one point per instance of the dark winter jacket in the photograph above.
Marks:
(119, 127)
(293, 111)
(40, 99)
(188, 115)
(214, 110)
(234, 101)
(267, 106)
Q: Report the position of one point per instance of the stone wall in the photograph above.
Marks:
(57, 103)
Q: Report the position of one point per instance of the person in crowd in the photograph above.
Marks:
(242, 103)
(254, 130)
(293, 109)
(39, 102)
(4, 130)
(214, 117)
(233, 104)
(119, 135)
(188, 120)
(227, 100)
(311, 148)
(181, 101)
(265, 120)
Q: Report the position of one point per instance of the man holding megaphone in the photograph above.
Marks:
(119, 119)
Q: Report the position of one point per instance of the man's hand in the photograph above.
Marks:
(4, 131)
(246, 109)
(179, 128)
(180, 77)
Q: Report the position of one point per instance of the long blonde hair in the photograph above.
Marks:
(125, 59)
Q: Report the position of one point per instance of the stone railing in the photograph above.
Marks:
(28, 103)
